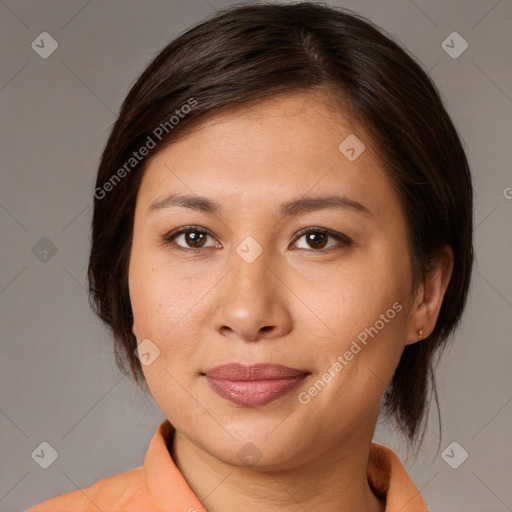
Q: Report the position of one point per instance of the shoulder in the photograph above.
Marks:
(389, 480)
(105, 494)
(379, 469)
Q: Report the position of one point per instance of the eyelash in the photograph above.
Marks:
(169, 238)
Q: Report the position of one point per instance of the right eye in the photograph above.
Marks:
(189, 239)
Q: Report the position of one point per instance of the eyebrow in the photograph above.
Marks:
(294, 207)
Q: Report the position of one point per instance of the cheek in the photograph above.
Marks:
(365, 306)
(364, 291)
(159, 296)
(166, 303)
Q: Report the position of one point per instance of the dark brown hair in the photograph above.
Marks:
(249, 53)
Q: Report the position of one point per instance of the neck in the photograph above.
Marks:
(333, 480)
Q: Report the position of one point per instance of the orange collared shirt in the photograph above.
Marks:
(159, 486)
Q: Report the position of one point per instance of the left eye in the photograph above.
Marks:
(317, 238)
(192, 239)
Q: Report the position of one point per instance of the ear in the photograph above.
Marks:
(133, 329)
(429, 298)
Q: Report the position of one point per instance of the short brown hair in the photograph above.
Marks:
(247, 53)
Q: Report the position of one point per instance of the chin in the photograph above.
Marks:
(255, 446)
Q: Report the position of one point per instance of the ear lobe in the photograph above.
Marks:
(430, 298)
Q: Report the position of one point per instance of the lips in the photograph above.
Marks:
(253, 385)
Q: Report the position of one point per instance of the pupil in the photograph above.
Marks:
(313, 237)
(193, 236)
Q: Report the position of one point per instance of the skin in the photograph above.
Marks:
(296, 304)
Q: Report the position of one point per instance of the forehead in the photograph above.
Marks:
(269, 151)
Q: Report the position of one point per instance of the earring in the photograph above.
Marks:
(420, 334)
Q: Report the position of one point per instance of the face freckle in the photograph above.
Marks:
(258, 293)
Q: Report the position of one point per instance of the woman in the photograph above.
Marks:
(281, 245)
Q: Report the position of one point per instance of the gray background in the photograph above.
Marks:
(58, 379)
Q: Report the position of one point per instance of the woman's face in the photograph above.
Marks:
(243, 283)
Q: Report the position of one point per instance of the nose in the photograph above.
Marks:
(251, 301)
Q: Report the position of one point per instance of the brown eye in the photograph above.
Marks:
(190, 239)
(317, 239)
(195, 238)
